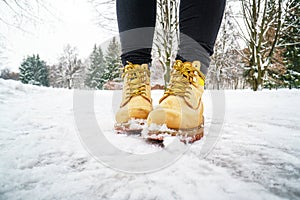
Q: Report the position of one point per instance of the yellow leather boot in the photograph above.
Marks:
(180, 110)
(136, 99)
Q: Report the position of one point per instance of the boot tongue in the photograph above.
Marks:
(197, 65)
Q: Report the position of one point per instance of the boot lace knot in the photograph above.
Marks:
(182, 76)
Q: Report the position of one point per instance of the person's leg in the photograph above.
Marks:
(200, 21)
(136, 21)
(181, 107)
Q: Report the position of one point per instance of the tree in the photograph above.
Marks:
(53, 76)
(69, 68)
(7, 74)
(263, 18)
(96, 69)
(112, 62)
(80, 76)
(16, 13)
(291, 37)
(4, 74)
(106, 14)
(226, 67)
(33, 70)
(167, 35)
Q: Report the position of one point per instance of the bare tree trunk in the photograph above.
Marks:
(167, 34)
(260, 20)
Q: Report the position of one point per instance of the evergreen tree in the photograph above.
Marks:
(79, 78)
(33, 70)
(112, 62)
(291, 38)
(96, 69)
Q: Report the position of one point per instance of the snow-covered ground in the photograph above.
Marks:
(42, 156)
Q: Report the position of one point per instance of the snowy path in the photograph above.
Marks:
(257, 156)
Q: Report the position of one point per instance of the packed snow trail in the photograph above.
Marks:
(42, 157)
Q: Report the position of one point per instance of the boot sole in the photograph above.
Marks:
(128, 129)
(185, 135)
(133, 127)
(136, 126)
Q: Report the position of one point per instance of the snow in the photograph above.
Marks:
(257, 155)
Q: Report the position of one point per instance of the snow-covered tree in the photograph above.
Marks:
(33, 70)
(4, 73)
(17, 13)
(226, 70)
(7, 74)
(166, 35)
(69, 68)
(106, 14)
(291, 37)
(96, 69)
(80, 76)
(263, 20)
(112, 61)
(53, 76)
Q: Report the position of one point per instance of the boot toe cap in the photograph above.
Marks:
(124, 114)
(171, 118)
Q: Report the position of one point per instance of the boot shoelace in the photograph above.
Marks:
(183, 74)
(136, 79)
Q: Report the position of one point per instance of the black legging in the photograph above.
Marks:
(199, 25)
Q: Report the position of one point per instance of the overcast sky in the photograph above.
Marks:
(74, 22)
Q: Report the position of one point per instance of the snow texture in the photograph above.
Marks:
(256, 157)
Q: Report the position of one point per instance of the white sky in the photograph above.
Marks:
(75, 24)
